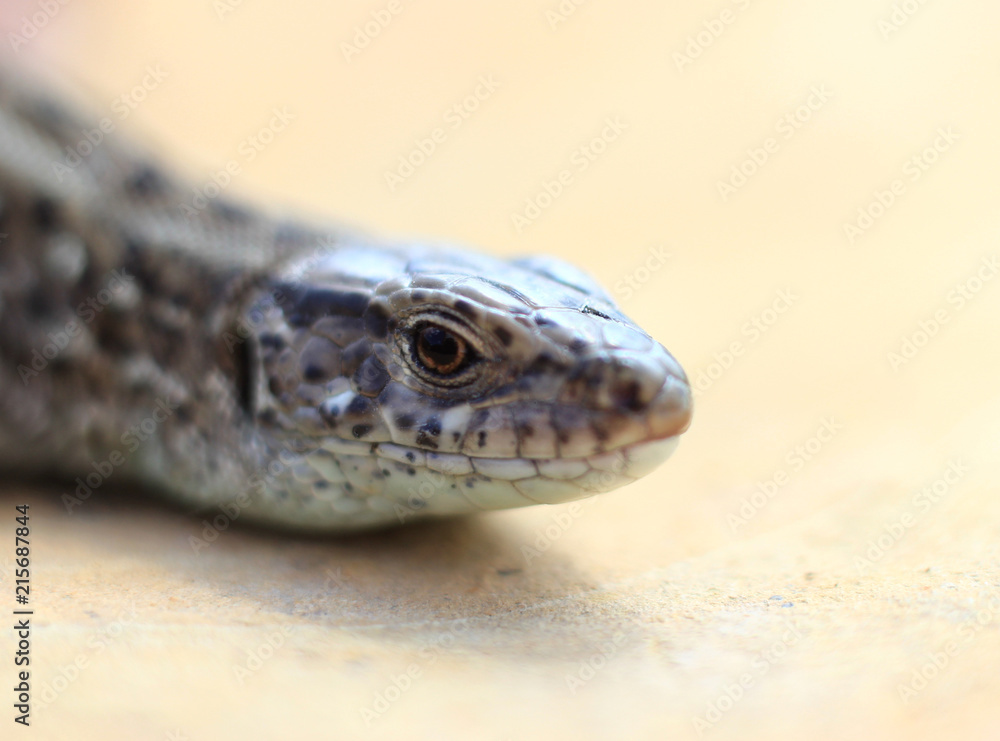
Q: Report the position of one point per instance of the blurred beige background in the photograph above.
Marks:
(792, 193)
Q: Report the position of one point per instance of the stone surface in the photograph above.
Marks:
(741, 592)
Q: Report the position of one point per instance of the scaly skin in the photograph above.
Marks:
(304, 378)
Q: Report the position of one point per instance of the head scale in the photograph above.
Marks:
(442, 382)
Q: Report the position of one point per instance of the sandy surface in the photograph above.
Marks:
(820, 558)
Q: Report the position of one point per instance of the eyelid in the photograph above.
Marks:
(483, 369)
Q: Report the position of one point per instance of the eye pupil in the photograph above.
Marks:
(440, 350)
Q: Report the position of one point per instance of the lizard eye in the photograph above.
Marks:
(441, 351)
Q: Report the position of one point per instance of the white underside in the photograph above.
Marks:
(344, 487)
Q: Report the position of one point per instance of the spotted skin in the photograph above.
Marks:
(232, 359)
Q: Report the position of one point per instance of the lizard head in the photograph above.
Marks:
(441, 382)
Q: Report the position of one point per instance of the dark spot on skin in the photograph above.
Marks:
(425, 441)
(601, 432)
(288, 232)
(348, 487)
(411, 471)
(432, 426)
(411, 457)
(405, 421)
(470, 483)
(628, 396)
(183, 414)
(359, 405)
(528, 430)
(145, 181)
(482, 438)
(562, 436)
(466, 309)
(377, 321)
(309, 304)
(321, 484)
(334, 411)
(543, 364)
(418, 296)
(230, 212)
(385, 472)
(271, 341)
(267, 416)
(45, 214)
(508, 572)
(577, 345)
(313, 373)
(360, 431)
(455, 436)
(542, 321)
(39, 304)
(503, 335)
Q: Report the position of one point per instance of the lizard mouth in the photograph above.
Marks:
(491, 483)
